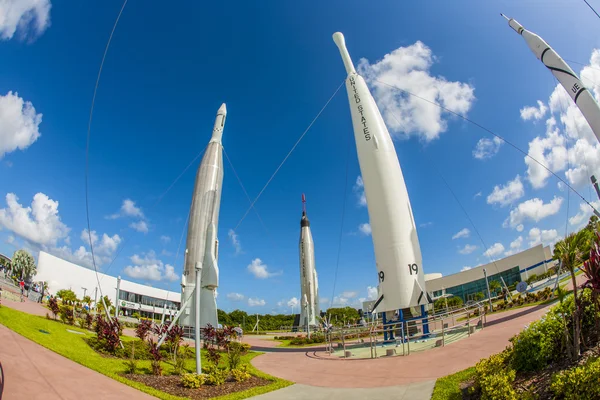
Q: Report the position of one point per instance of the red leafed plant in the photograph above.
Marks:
(591, 269)
(156, 357)
(108, 333)
(143, 329)
(54, 307)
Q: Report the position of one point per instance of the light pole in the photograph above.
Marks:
(84, 291)
(197, 318)
(487, 284)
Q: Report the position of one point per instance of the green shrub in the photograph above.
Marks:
(240, 374)
(66, 314)
(214, 375)
(579, 383)
(537, 345)
(192, 381)
(494, 377)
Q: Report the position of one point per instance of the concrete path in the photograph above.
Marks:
(414, 391)
(34, 372)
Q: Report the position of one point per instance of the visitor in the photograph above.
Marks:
(238, 332)
(22, 286)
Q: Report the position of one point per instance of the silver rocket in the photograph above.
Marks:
(202, 246)
(309, 284)
(565, 75)
(393, 229)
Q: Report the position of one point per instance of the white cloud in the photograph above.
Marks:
(468, 249)
(585, 212)
(425, 224)
(507, 194)
(10, 239)
(520, 228)
(487, 148)
(408, 68)
(260, 270)
(236, 296)
(19, 123)
(140, 226)
(463, 233)
(534, 210)
(235, 241)
(478, 194)
(359, 189)
(165, 239)
(107, 245)
(149, 267)
(546, 237)
(128, 209)
(39, 223)
(495, 250)
(365, 229)
(535, 113)
(465, 268)
(255, 302)
(28, 17)
(372, 293)
(324, 300)
(293, 302)
(349, 294)
(515, 246)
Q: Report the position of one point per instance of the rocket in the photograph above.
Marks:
(393, 230)
(201, 272)
(309, 285)
(565, 75)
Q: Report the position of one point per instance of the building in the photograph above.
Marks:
(4, 260)
(515, 268)
(133, 297)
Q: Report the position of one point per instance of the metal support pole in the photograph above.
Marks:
(443, 334)
(487, 285)
(197, 318)
(407, 338)
(118, 293)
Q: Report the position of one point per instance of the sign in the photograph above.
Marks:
(521, 287)
(129, 304)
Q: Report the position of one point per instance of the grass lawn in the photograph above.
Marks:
(73, 347)
(286, 343)
(447, 388)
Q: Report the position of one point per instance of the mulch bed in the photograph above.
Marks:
(171, 384)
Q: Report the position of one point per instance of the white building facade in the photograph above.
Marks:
(147, 301)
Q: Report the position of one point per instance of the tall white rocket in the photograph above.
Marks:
(202, 246)
(309, 285)
(565, 75)
(393, 229)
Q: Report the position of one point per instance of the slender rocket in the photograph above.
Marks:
(565, 75)
(202, 246)
(309, 285)
(397, 251)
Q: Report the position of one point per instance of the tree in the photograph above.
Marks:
(495, 287)
(23, 264)
(87, 300)
(569, 252)
(591, 268)
(66, 295)
(344, 315)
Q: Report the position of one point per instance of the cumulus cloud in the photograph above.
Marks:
(293, 302)
(149, 267)
(236, 296)
(546, 237)
(19, 122)
(359, 190)
(487, 148)
(582, 217)
(520, 228)
(465, 268)
(478, 194)
(128, 209)
(365, 229)
(408, 69)
(165, 239)
(349, 294)
(468, 249)
(372, 293)
(235, 241)
(40, 223)
(463, 233)
(260, 269)
(140, 226)
(534, 210)
(507, 194)
(256, 302)
(30, 18)
(495, 250)
(535, 113)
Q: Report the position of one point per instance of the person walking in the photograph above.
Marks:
(22, 286)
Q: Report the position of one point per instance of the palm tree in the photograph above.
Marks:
(23, 264)
(569, 252)
(495, 286)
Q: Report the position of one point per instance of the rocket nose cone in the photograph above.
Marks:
(339, 40)
(222, 110)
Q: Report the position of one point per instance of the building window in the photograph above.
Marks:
(437, 293)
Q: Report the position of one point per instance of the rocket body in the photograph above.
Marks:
(202, 244)
(309, 286)
(393, 230)
(565, 75)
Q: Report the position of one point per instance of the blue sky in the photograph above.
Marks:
(169, 69)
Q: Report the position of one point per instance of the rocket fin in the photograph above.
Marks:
(210, 272)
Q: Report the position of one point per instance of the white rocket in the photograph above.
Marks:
(309, 285)
(565, 75)
(397, 251)
(202, 248)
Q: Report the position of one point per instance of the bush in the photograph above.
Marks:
(494, 377)
(537, 345)
(234, 351)
(240, 374)
(54, 307)
(156, 357)
(579, 383)
(108, 333)
(143, 328)
(135, 315)
(192, 381)
(66, 314)
(214, 375)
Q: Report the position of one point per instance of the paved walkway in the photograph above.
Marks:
(34, 372)
(415, 391)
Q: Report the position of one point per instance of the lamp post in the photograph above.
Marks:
(197, 318)
(487, 284)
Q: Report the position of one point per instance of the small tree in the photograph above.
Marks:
(495, 287)
(143, 329)
(591, 268)
(54, 307)
(67, 296)
(23, 264)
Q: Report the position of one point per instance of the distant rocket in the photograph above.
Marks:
(309, 285)
(565, 75)
(393, 229)
(202, 248)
